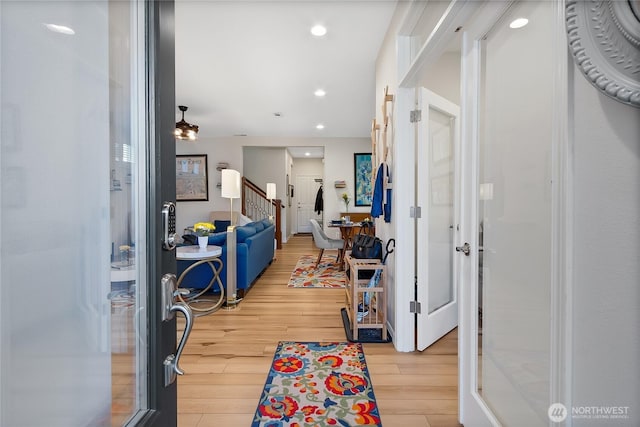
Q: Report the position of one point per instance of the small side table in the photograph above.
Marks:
(211, 257)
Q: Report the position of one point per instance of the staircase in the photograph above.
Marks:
(256, 206)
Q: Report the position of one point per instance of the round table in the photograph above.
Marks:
(211, 257)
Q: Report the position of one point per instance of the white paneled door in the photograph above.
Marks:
(437, 148)
(305, 192)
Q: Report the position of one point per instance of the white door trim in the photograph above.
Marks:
(561, 219)
(404, 339)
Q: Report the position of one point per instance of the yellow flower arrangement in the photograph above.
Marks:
(203, 228)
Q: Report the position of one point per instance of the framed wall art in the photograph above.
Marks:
(362, 179)
(192, 178)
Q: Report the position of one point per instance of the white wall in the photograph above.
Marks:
(387, 75)
(606, 248)
(443, 77)
(188, 213)
(338, 165)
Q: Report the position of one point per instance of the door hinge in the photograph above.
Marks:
(415, 116)
(414, 307)
(415, 212)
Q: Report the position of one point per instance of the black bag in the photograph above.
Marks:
(366, 247)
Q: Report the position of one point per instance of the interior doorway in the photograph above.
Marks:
(307, 179)
(306, 190)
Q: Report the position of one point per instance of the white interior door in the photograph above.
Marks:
(505, 333)
(306, 189)
(437, 145)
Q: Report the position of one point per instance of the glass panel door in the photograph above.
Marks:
(514, 217)
(437, 141)
(73, 300)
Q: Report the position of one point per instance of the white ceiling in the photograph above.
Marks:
(239, 62)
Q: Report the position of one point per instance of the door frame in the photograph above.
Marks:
(161, 187)
(296, 201)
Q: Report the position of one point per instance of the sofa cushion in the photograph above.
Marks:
(221, 225)
(218, 239)
(258, 226)
(266, 222)
(242, 233)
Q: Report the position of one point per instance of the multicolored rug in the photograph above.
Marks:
(325, 275)
(317, 384)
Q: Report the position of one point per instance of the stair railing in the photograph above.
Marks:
(256, 206)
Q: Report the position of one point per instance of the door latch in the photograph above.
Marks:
(465, 249)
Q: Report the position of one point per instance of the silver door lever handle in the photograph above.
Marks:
(465, 249)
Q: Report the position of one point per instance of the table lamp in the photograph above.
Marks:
(271, 194)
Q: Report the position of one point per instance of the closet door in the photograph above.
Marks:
(437, 145)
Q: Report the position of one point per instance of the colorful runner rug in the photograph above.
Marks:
(325, 275)
(317, 384)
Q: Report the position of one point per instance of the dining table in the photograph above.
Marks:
(347, 230)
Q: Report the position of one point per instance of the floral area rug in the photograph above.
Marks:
(317, 384)
(325, 275)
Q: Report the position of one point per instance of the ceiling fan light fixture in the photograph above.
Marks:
(184, 130)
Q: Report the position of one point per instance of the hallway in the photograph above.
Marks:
(229, 354)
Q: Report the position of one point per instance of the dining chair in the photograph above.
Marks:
(322, 241)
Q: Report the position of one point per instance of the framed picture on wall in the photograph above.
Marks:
(192, 178)
(362, 179)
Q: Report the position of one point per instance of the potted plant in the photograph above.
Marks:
(346, 199)
(202, 230)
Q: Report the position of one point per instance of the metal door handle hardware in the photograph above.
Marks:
(465, 249)
(168, 286)
(171, 367)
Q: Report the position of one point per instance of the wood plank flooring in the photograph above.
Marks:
(229, 354)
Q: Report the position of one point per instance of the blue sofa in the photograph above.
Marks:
(254, 253)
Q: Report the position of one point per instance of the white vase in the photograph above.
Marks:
(203, 241)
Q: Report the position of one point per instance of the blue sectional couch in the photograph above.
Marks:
(254, 254)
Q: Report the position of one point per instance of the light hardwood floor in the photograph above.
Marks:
(229, 354)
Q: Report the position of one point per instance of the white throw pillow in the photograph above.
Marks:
(243, 220)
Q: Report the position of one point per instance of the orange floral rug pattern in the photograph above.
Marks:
(326, 275)
(317, 384)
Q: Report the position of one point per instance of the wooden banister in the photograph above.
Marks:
(255, 204)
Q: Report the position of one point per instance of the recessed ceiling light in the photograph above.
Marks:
(319, 93)
(519, 23)
(320, 126)
(60, 29)
(318, 30)
(307, 153)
